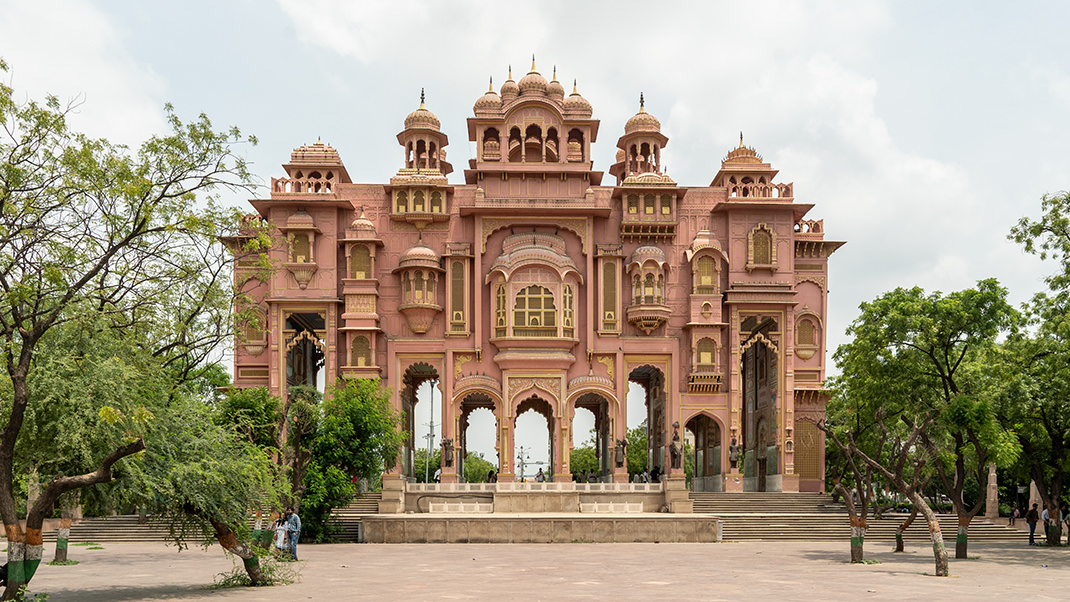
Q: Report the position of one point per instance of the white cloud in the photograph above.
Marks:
(71, 49)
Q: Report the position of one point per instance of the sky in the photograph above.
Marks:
(921, 131)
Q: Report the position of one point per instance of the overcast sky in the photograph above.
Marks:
(921, 131)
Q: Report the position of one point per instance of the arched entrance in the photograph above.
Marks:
(706, 433)
(473, 414)
(599, 408)
(305, 350)
(415, 377)
(760, 378)
(527, 460)
(652, 381)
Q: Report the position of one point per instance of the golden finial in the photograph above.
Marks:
(642, 103)
(533, 62)
(574, 90)
(491, 84)
(555, 73)
(510, 72)
(741, 139)
(422, 99)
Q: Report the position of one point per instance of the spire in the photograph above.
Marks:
(422, 99)
(491, 84)
(574, 90)
(741, 139)
(642, 103)
(510, 72)
(555, 73)
(533, 61)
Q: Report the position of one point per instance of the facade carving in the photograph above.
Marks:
(529, 271)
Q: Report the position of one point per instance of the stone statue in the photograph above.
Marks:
(621, 454)
(733, 454)
(447, 452)
(677, 447)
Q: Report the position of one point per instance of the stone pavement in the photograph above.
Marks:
(759, 570)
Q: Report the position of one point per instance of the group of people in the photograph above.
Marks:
(287, 532)
(1032, 517)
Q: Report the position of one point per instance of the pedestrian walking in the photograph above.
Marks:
(1032, 517)
(293, 529)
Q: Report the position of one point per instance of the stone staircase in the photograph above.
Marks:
(813, 516)
(350, 516)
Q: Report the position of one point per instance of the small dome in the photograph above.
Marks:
(577, 105)
(742, 154)
(419, 257)
(642, 121)
(362, 224)
(621, 156)
(555, 90)
(533, 82)
(489, 102)
(509, 89)
(647, 253)
(422, 118)
(315, 154)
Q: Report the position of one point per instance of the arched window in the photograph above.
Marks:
(706, 277)
(609, 296)
(457, 296)
(706, 352)
(804, 333)
(402, 203)
(418, 201)
(763, 247)
(516, 145)
(492, 148)
(648, 290)
(418, 287)
(360, 354)
(360, 262)
(648, 204)
(575, 146)
(301, 250)
(254, 330)
(406, 287)
(633, 204)
(534, 313)
(436, 201)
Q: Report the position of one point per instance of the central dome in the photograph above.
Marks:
(533, 82)
(642, 121)
(422, 118)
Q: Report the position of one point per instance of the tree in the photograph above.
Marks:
(918, 350)
(477, 468)
(1036, 362)
(88, 225)
(637, 452)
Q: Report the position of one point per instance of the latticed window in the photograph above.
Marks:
(633, 203)
(301, 249)
(436, 202)
(401, 204)
(360, 262)
(807, 450)
(804, 333)
(418, 201)
(568, 320)
(666, 204)
(648, 204)
(706, 280)
(418, 287)
(706, 351)
(254, 328)
(499, 312)
(457, 296)
(609, 296)
(361, 352)
(648, 289)
(763, 247)
(534, 313)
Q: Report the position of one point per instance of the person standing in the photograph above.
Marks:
(1032, 517)
(1014, 516)
(293, 529)
(438, 475)
(540, 477)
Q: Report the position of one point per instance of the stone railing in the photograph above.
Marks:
(566, 486)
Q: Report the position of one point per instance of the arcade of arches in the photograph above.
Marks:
(530, 284)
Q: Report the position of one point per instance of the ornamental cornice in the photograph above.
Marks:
(576, 225)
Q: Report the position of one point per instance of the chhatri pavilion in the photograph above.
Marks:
(539, 284)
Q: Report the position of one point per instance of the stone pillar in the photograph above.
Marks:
(677, 497)
(992, 501)
(393, 500)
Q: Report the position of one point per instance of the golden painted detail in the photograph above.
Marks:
(360, 304)
(610, 362)
(548, 384)
(811, 397)
(816, 248)
(316, 339)
(818, 280)
(576, 225)
(458, 363)
(761, 248)
(704, 382)
(809, 267)
(244, 372)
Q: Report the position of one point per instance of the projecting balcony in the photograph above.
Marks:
(648, 313)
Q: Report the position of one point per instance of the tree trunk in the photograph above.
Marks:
(962, 538)
(1054, 529)
(63, 537)
(858, 538)
(902, 529)
(230, 543)
(939, 550)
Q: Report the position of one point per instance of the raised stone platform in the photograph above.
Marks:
(541, 528)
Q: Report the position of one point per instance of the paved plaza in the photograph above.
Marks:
(764, 570)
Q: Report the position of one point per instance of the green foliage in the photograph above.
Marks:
(636, 454)
(254, 412)
(582, 459)
(477, 468)
(422, 465)
(276, 572)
